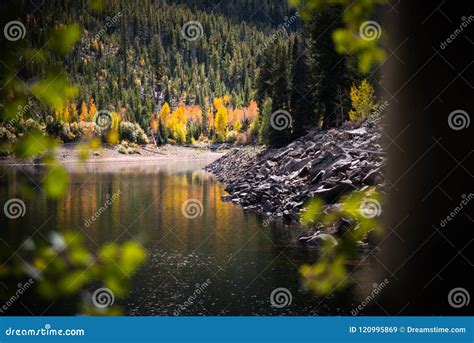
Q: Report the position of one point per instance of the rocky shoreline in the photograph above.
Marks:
(325, 164)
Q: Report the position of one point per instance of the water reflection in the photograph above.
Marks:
(242, 260)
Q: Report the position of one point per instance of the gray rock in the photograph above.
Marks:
(268, 206)
(226, 197)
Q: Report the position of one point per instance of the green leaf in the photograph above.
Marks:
(55, 89)
(13, 109)
(312, 211)
(132, 256)
(109, 252)
(33, 144)
(63, 39)
(56, 182)
(72, 282)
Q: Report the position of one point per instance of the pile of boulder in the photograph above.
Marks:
(324, 164)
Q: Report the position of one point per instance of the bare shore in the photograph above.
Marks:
(108, 157)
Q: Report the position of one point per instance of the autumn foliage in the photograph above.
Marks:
(183, 124)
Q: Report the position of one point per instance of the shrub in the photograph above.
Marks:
(132, 133)
(127, 131)
(127, 149)
(6, 139)
(53, 127)
(33, 125)
(242, 138)
(254, 128)
(219, 137)
(70, 132)
(231, 137)
(87, 129)
(363, 101)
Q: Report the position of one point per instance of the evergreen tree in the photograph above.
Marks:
(328, 68)
(302, 109)
(281, 119)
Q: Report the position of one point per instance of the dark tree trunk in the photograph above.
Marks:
(430, 167)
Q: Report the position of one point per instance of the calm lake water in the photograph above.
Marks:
(241, 260)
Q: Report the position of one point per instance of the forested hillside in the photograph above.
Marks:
(134, 57)
(182, 71)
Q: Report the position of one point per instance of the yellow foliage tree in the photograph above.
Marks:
(57, 114)
(165, 113)
(73, 111)
(222, 119)
(177, 124)
(218, 102)
(113, 134)
(154, 125)
(363, 101)
(66, 118)
(237, 125)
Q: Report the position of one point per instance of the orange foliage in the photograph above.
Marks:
(84, 112)
(92, 110)
(193, 113)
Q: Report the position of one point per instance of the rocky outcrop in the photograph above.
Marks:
(325, 164)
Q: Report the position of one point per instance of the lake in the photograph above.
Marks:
(205, 256)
